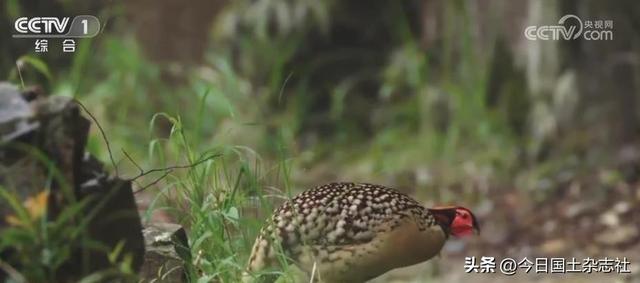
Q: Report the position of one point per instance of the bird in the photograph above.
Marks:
(353, 232)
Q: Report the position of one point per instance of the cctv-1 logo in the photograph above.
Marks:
(40, 25)
(83, 26)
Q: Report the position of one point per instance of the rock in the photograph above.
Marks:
(554, 247)
(619, 236)
(49, 134)
(610, 219)
(14, 114)
(167, 251)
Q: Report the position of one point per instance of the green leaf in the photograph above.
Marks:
(21, 212)
(13, 9)
(196, 244)
(37, 64)
(232, 214)
(115, 253)
(205, 279)
(71, 211)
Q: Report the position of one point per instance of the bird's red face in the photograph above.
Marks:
(459, 220)
(464, 223)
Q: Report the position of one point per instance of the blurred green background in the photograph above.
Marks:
(444, 100)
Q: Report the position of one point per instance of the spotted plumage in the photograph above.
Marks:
(350, 232)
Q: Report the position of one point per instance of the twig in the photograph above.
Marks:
(167, 171)
(132, 161)
(104, 136)
(313, 271)
(12, 272)
(174, 167)
(284, 84)
(135, 164)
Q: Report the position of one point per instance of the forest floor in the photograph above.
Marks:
(583, 217)
(569, 225)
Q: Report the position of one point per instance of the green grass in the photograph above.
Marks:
(217, 201)
(44, 245)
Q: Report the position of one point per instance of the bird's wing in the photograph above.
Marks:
(343, 214)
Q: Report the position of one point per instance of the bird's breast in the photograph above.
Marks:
(407, 244)
(398, 245)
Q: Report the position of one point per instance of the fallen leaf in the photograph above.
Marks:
(36, 206)
(553, 246)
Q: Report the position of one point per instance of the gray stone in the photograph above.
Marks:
(166, 253)
(52, 131)
(15, 114)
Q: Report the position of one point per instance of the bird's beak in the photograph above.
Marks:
(476, 230)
